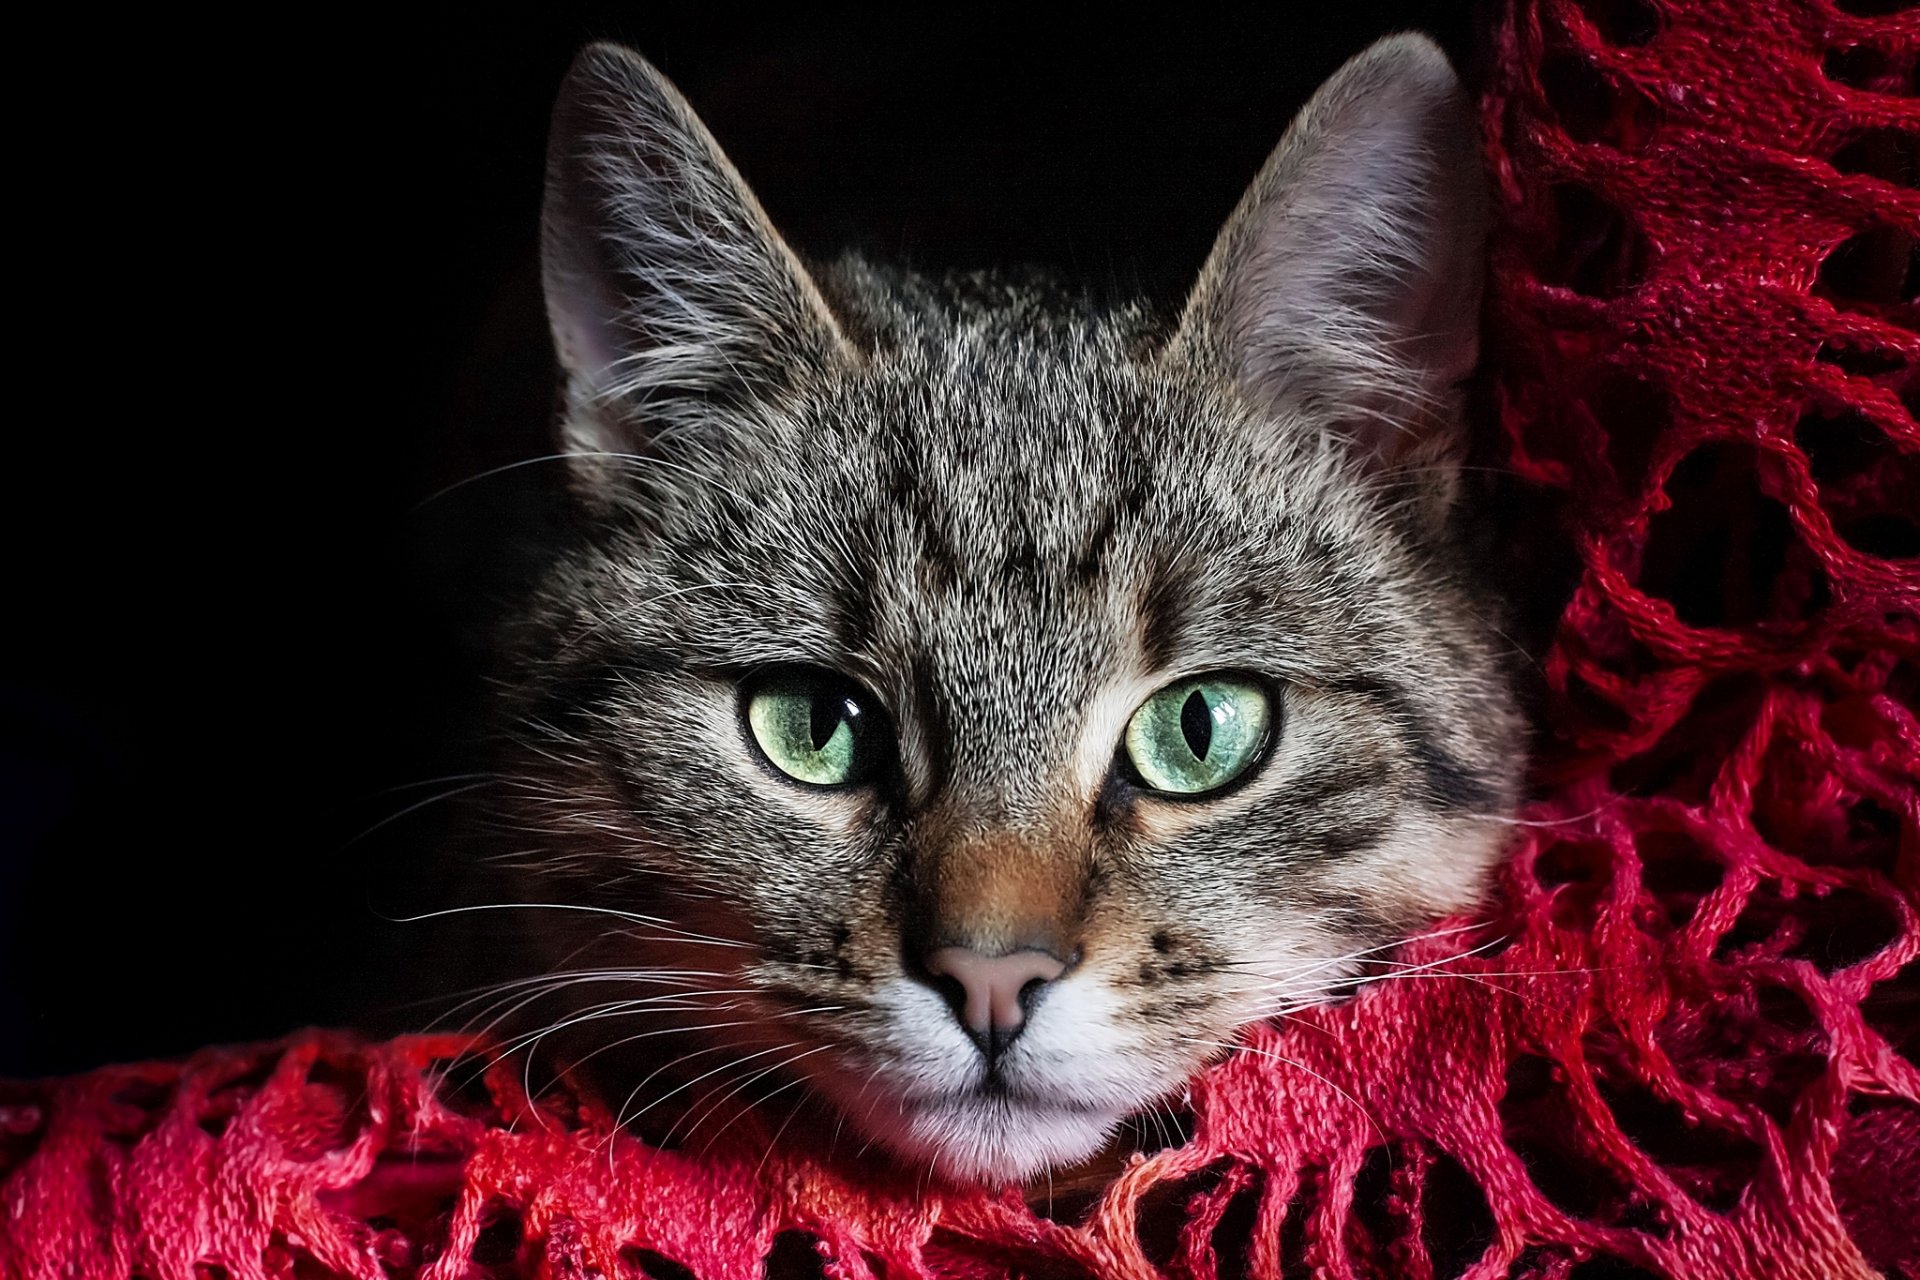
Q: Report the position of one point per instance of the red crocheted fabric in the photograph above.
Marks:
(1693, 1054)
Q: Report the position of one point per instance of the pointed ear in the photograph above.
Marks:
(667, 288)
(1346, 284)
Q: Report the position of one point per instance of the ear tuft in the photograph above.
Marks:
(1346, 284)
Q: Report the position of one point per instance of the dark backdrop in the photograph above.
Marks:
(281, 285)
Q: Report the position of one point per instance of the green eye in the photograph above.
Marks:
(1200, 734)
(813, 726)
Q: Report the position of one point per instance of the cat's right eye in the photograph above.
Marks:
(814, 726)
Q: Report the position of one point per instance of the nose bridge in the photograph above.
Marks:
(1002, 890)
(1002, 848)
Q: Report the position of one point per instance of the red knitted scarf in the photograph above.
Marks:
(1694, 1052)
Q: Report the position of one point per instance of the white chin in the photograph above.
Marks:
(993, 1140)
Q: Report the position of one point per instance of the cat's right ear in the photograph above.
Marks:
(667, 289)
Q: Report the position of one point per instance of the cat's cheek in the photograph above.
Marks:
(841, 810)
(1424, 868)
(1292, 961)
(922, 1052)
(1089, 1044)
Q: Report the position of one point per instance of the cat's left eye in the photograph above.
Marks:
(1199, 734)
(814, 726)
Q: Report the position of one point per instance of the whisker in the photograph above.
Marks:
(415, 807)
(690, 1028)
(621, 1121)
(631, 917)
(1291, 984)
(434, 782)
(774, 1141)
(1611, 803)
(638, 461)
(1370, 952)
(510, 1004)
(562, 978)
(1388, 945)
(1236, 1047)
(619, 1008)
(734, 1092)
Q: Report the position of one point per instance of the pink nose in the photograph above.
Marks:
(993, 984)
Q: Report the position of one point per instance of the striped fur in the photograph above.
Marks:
(1011, 517)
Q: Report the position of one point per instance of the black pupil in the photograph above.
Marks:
(829, 708)
(1196, 724)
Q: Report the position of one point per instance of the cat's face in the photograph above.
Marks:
(984, 708)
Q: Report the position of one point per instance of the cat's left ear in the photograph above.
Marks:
(1345, 287)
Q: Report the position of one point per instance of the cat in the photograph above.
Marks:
(970, 705)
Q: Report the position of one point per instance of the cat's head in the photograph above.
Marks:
(976, 706)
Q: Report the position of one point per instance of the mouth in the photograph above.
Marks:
(995, 1136)
(914, 1089)
(994, 1091)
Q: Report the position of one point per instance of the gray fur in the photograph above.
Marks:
(1010, 517)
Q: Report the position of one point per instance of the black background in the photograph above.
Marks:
(281, 288)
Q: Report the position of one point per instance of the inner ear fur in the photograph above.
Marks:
(667, 288)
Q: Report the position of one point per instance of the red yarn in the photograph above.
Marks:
(1695, 1054)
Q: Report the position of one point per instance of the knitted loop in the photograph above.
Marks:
(1687, 1044)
